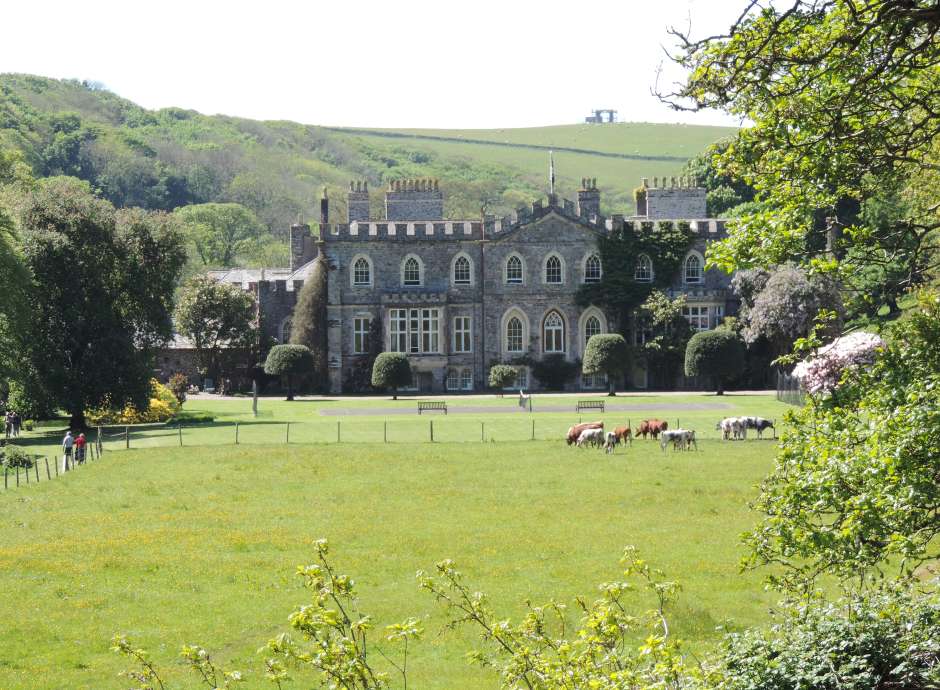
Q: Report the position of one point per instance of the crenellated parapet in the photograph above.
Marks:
(406, 231)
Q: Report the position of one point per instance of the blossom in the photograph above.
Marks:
(822, 373)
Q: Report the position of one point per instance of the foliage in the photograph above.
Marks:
(854, 484)
(502, 376)
(554, 371)
(539, 652)
(823, 372)
(780, 305)
(724, 192)
(358, 378)
(882, 639)
(391, 370)
(844, 100)
(288, 361)
(336, 633)
(220, 233)
(100, 295)
(665, 332)
(179, 384)
(618, 292)
(718, 353)
(606, 353)
(14, 456)
(309, 324)
(31, 403)
(219, 320)
(162, 406)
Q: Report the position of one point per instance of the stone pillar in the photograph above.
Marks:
(589, 198)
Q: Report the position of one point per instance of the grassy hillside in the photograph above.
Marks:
(171, 157)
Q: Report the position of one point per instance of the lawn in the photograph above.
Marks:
(172, 545)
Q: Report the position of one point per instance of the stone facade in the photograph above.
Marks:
(459, 296)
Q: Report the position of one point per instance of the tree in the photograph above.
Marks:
(101, 286)
(844, 101)
(781, 305)
(717, 353)
(288, 361)
(218, 319)
(309, 324)
(606, 353)
(724, 193)
(219, 232)
(502, 376)
(664, 333)
(391, 370)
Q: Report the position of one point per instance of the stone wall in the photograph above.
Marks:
(675, 198)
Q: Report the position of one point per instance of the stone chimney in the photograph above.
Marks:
(589, 198)
(324, 209)
(414, 200)
(357, 201)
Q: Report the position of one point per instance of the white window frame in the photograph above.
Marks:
(698, 317)
(600, 269)
(361, 333)
(636, 269)
(453, 270)
(700, 278)
(561, 269)
(421, 332)
(521, 382)
(286, 326)
(462, 334)
(352, 271)
(521, 280)
(546, 340)
(508, 341)
(587, 320)
(404, 264)
(466, 379)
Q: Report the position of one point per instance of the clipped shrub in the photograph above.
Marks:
(606, 353)
(179, 384)
(289, 361)
(718, 353)
(391, 370)
(502, 376)
(554, 371)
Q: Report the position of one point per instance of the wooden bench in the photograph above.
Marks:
(590, 405)
(424, 406)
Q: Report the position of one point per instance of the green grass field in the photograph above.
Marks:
(175, 545)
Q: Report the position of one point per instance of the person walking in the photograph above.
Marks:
(80, 450)
(67, 443)
(8, 424)
(17, 423)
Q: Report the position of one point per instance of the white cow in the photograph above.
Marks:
(681, 439)
(593, 437)
(732, 427)
(612, 440)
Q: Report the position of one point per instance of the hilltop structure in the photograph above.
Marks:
(458, 296)
(602, 116)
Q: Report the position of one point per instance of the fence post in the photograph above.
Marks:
(287, 438)
(385, 431)
(337, 431)
(179, 429)
(236, 433)
(5, 478)
(482, 436)
(533, 429)
(17, 475)
(48, 473)
(55, 464)
(432, 431)
(36, 467)
(127, 437)
(775, 428)
(27, 475)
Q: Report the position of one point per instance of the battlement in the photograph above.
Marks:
(411, 230)
(414, 200)
(674, 197)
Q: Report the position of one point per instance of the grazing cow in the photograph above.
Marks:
(731, 427)
(612, 440)
(623, 434)
(594, 437)
(653, 427)
(758, 423)
(575, 431)
(681, 439)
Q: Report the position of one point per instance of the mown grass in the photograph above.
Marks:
(198, 544)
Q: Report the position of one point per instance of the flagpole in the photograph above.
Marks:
(551, 173)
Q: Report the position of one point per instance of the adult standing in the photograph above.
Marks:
(8, 424)
(17, 423)
(80, 450)
(67, 443)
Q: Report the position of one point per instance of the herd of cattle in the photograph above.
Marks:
(593, 434)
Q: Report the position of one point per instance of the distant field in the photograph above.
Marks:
(172, 545)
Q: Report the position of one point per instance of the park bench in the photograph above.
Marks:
(590, 405)
(424, 406)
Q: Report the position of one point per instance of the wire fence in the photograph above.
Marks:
(790, 390)
(46, 468)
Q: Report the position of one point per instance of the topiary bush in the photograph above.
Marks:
(606, 353)
(554, 371)
(391, 370)
(718, 353)
(288, 361)
(502, 376)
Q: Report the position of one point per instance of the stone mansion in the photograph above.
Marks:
(461, 295)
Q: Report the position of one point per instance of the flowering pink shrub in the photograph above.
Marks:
(822, 373)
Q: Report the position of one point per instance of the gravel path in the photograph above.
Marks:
(514, 408)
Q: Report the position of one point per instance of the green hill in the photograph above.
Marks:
(166, 158)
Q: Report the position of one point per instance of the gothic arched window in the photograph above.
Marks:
(592, 269)
(693, 269)
(553, 270)
(592, 326)
(514, 269)
(362, 272)
(411, 273)
(462, 271)
(514, 335)
(553, 333)
(643, 273)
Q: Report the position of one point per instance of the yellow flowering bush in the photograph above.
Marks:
(163, 406)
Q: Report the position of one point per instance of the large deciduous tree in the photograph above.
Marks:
(219, 232)
(219, 320)
(100, 295)
(843, 98)
(309, 324)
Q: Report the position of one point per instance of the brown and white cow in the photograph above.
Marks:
(575, 432)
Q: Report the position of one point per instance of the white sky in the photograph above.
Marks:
(394, 63)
